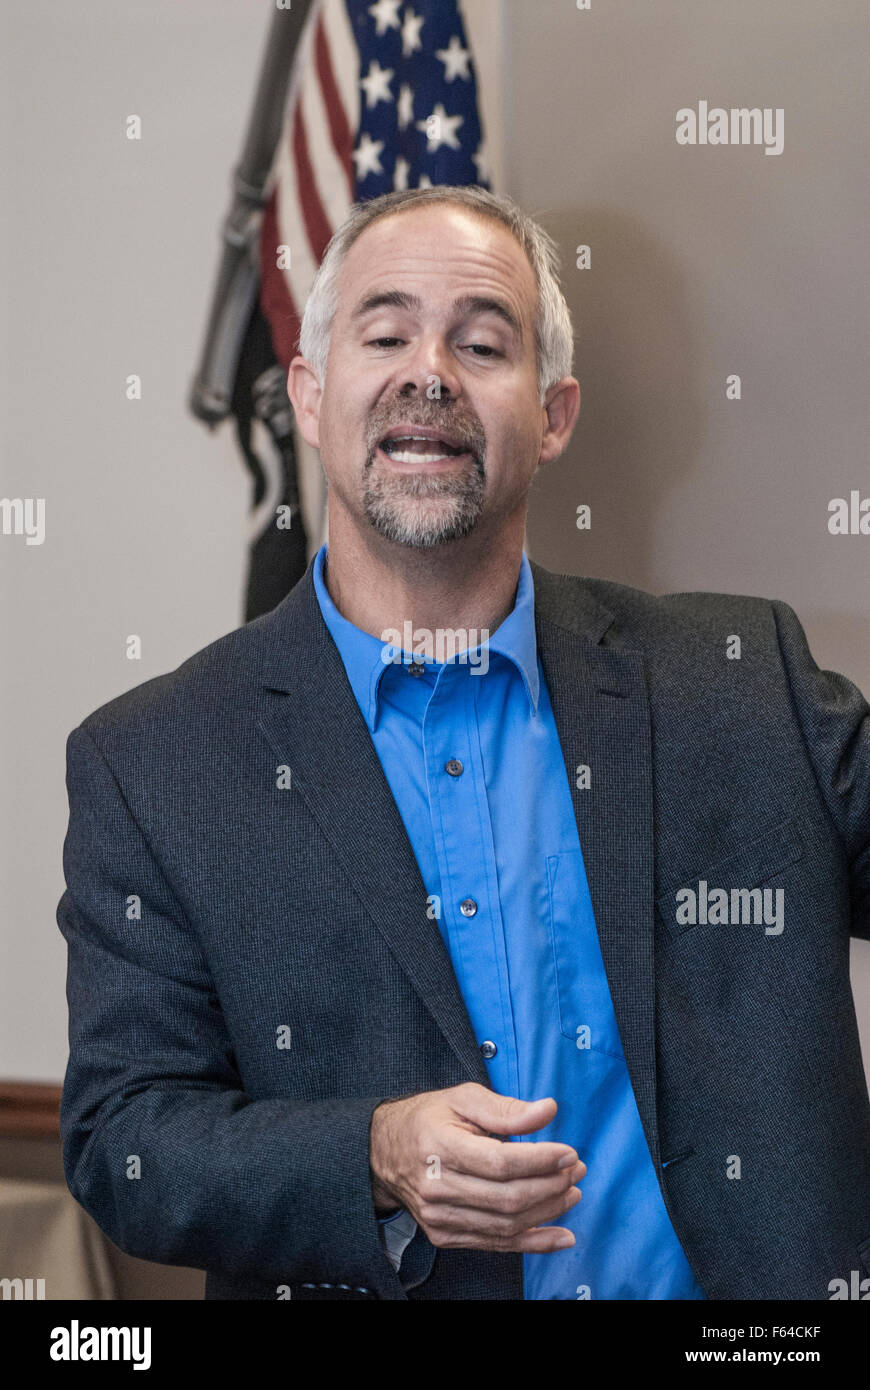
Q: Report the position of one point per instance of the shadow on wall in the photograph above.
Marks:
(641, 411)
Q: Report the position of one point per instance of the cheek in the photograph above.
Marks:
(349, 399)
(341, 416)
(515, 436)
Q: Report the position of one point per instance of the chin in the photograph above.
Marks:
(420, 532)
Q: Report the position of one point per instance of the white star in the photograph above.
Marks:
(367, 156)
(446, 129)
(425, 181)
(455, 60)
(377, 84)
(411, 33)
(481, 162)
(386, 14)
(400, 176)
(405, 106)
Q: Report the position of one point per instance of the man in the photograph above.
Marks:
(452, 882)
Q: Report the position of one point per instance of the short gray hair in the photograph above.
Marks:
(554, 334)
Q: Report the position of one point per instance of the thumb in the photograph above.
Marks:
(499, 1114)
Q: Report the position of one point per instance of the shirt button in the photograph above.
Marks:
(454, 767)
(468, 907)
(488, 1049)
(416, 668)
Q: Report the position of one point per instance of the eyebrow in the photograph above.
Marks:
(466, 306)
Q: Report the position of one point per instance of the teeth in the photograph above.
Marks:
(405, 456)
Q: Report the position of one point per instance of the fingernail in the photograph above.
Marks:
(567, 1161)
(565, 1242)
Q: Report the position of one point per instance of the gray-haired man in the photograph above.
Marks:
(424, 905)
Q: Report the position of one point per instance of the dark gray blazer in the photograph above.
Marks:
(209, 910)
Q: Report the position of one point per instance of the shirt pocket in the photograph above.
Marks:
(753, 863)
(582, 989)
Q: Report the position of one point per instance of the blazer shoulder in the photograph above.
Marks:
(708, 611)
(646, 617)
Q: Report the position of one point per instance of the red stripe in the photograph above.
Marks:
(276, 299)
(316, 222)
(340, 131)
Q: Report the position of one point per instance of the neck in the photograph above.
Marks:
(379, 585)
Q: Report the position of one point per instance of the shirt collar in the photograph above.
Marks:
(361, 653)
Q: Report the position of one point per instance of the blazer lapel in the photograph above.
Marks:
(601, 708)
(315, 726)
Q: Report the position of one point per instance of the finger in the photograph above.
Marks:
(464, 1224)
(543, 1240)
(482, 1157)
(498, 1114)
(463, 1190)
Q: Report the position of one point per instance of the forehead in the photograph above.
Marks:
(439, 251)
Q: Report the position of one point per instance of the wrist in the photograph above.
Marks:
(386, 1201)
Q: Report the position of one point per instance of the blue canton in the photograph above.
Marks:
(419, 120)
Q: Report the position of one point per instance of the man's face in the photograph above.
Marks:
(429, 423)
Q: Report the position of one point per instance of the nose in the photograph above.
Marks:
(430, 367)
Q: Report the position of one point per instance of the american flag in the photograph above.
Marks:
(383, 97)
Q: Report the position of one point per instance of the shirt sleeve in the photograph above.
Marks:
(397, 1232)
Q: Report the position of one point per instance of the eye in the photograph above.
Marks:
(478, 348)
(381, 342)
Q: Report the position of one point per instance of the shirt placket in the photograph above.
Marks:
(465, 850)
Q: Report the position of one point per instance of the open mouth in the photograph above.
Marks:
(414, 448)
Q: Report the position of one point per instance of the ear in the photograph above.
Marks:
(562, 404)
(305, 393)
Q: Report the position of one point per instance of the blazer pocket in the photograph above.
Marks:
(582, 988)
(749, 866)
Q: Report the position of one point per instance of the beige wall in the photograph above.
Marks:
(108, 249)
(706, 262)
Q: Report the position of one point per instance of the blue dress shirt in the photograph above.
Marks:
(473, 760)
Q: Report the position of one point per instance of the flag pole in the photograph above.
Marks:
(237, 279)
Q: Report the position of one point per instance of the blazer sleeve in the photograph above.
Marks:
(160, 1142)
(834, 718)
